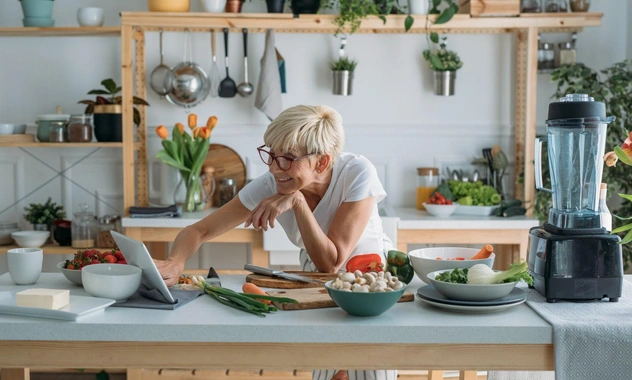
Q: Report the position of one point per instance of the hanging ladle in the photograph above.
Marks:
(161, 79)
(245, 89)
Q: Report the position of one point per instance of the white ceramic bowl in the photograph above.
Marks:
(424, 260)
(214, 6)
(7, 129)
(90, 16)
(440, 210)
(73, 275)
(30, 239)
(470, 292)
(113, 281)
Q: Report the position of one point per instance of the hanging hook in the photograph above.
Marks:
(343, 43)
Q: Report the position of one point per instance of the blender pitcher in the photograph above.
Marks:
(576, 140)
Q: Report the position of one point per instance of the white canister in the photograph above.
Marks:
(418, 7)
(214, 6)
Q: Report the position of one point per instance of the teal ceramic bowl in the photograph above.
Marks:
(364, 304)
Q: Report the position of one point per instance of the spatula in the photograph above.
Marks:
(227, 88)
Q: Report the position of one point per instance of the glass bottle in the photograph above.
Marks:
(227, 191)
(80, 128)
(84, 228)
(427, 182)
(604, 211)
(57, 132)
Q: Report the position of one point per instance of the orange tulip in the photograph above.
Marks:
(196, 132)
(627, 145)
(162, 132)
(180, 127)
(611, 159)
(212, 122)
(192, 121)
(205, 132)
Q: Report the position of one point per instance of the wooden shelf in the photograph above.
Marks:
(66, 145)
(49, 249)
(61, 31)
(287, 23)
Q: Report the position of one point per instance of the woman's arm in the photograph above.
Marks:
(191, 238)
(329, 252)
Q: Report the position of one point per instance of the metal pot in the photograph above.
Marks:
(444, 82)
(191, 83)
(343, 82)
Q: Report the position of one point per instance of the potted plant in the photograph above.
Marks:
(444, 9)
(37, 12)
(108, 118)
(43, 215)
(304, 6)
(444, 63)
(342, 70)
(352, 12)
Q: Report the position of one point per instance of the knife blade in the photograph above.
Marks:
(280, 274)
(213, 277)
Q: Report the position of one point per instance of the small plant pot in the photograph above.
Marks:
(275, 6)
(233, 6)
(108, 122)
(42, 9)
(343, 82)
(305, 6)
(444, 82)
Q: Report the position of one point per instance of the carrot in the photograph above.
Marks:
(251, 288)
(484, 253)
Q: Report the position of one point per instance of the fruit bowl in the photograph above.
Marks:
(426, 260)
(440, 210)
(73, 275)
(470, 292)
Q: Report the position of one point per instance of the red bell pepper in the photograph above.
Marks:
(368, 262)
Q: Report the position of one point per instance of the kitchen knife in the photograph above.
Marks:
(280, 274)
(213, 277)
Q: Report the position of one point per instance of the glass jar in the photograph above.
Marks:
(553, 6)
(566, 54)
(546, 56)
(530, 6)
(227, 191)
(579, 5)
(108, 223)
(427, 182)
(84, 228)
(80, 128)
(57, 132)
(5, 232)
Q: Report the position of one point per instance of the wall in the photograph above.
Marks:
(393, 117)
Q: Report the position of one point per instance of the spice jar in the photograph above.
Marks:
(5, 232)
(108, 223)
(566, 54)
(80, 128)
(84, 228)
(227, 191)
(57, 132)
(427, 182)
(530, 6)
(555, 6)
(546, 56)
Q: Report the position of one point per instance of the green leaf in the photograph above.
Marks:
(98, 92)
(627, 238)
(623, 157)
(167, 159)
(436, 63)
(626, 196)
(445, 16)
(102, 375)
(109, 85)
(172, 149)
(427, 54)
(434, 37)
(455, 8)
(383, 18)
(621, 218)
(408, 23)
(117, 90)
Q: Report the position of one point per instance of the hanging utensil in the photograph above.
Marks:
(245, 89)
(227, 88)
(191, 85)
(161, 79)
(215, 77)
(487, 153)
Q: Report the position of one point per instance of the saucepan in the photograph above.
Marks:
(191, 83)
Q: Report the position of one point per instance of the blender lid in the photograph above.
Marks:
(577, 106)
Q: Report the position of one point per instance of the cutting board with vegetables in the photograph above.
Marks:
(314, 298)
(279, 283)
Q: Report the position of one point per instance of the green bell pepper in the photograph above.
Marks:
(398, 264)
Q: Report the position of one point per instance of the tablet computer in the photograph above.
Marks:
(136, 254)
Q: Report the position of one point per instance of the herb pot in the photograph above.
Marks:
(275, 6)
(444, 82)
(42, 9)
(108, 122)
(305, 6)
(343, 82)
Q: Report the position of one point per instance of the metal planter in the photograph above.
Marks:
(343, 82)
(444, 82)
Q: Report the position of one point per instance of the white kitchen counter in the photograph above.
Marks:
(185, 220)
(413, 219)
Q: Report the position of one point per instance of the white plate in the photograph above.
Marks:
(472, 309)
(78, 308)
(475, 210)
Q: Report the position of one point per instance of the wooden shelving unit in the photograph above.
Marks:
(137, 145)
(49, 249)
(61, 31)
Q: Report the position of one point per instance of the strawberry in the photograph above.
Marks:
(109, 259)
(95, 262)
(119, 256)
(121, 262)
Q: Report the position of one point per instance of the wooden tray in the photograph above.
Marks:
(315, 298)
(227, 164)
(279, 283)
(17, 138)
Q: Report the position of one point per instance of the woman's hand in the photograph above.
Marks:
(340, 375)
(169, 270)
(266, 212)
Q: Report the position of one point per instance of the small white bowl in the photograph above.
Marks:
(30, 239)
(470, 292)
(425, 260)
(114, 281)
(7, 129)
(440, 210)
(90, 16)
(73, 275)
(213, 6)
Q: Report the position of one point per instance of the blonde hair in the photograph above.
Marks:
(317, 129)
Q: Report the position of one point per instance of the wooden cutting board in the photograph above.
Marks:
(314, 298)
(227, 164)
(279, 283)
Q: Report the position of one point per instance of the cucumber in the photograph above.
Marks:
(507, 203)
(513, 211)
(498, 211)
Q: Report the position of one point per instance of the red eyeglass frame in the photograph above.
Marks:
(289, 159)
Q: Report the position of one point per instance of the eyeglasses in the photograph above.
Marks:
(283, 162)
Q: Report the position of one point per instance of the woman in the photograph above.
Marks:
(325, 200)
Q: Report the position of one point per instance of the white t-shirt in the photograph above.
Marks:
(353, 178)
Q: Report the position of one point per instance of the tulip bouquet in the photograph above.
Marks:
(187, 152)
(622, 153)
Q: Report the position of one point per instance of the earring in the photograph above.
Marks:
(318, 170)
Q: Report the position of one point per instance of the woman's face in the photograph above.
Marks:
(301, 174)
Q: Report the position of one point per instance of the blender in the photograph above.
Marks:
(572, 256)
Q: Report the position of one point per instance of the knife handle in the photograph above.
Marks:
(260, 270)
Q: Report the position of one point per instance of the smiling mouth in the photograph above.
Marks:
(283, 180)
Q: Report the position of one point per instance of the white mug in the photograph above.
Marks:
(25, 265)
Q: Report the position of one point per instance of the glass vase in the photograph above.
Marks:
(194, 197)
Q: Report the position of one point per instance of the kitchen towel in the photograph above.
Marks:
(591, 340)
(155, 212)
(268, 97)
(145, 298)
(281, 62)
